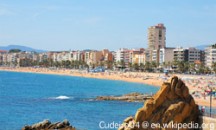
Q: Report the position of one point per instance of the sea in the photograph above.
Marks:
(28, 98)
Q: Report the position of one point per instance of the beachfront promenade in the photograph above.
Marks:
(199, 85)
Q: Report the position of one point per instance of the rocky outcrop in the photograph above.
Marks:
(47, 125)
(131, 97)
(172, 104)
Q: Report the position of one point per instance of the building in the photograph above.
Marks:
(2, 53)
(77, 55)
(180, 54)
(210, 56)
(194, 55)
(156, 37)
(134, 54)
(122, 55)
(139, 58)
(166, 55)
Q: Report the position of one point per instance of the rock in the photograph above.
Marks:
(47, 125)
(131, 97)
(172, 103)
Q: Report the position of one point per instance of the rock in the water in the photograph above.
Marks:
(47, 125)
(131, 97)
(172, 104)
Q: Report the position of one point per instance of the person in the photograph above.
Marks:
(203, 109)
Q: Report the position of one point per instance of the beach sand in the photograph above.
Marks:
(155, 79)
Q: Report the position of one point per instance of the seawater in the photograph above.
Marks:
(27, 98)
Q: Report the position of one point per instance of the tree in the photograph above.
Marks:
(207, 70)
(214, 45)
(192, 67)
(148, 66)
(214, 67)
(141, 66)
(180, 66)
(201, 68)
(135, 66)
(14, 50)
(130, 66)
(109, 64)
(67, 64)
(25, 62)
(122, 64)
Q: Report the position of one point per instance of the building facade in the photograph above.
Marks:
(210, 56)
(156, 37)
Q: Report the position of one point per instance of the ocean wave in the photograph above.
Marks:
(61, 97)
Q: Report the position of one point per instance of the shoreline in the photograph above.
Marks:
(135, 77)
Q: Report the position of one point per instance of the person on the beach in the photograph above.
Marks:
(203, 109)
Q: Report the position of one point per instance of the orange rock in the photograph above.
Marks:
(172, 103)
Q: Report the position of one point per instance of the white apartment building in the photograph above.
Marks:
(122, 55)
(210, 56)
(77, 55)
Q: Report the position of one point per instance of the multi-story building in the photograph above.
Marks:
(122, 55)
(77, 55)
(156, 41)
(210, 56)
(2, 53)
(180, 54)
(148, 55)
(96, 57)
(109, 57)
(188, 54)
(134, 54)
(156, 37)
(166, 55)
(194, 55)
(139, 58)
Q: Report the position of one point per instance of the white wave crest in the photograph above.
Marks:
(61, 97)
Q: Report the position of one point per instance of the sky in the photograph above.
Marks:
(100, 24)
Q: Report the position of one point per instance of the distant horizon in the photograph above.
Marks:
(96, 24)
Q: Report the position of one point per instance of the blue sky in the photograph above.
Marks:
(98, 24)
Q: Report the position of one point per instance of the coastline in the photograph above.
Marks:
(136, 77)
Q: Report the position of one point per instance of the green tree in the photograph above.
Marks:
(214, 67)
(148, 66)
(67, 64)
(141, 66)
(135, 66)
(14, 50)
(122, 64)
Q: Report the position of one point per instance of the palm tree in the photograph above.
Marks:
(148, 66)
(192, 67)
(214, 67)
(214, 45)
(135, 66)
(141, 66)
(122, 64)
(201, 68)
(181, 66)
(130, 66)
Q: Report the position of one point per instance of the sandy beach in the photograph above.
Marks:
(196, 84)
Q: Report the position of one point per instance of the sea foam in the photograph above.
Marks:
(61, 97)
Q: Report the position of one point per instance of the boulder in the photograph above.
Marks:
(171, 104)
(47, 125)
